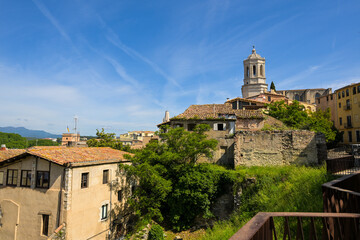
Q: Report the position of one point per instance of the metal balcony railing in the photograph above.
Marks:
(333, 226)
(347, 107)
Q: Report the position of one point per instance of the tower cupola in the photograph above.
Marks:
(254, 75)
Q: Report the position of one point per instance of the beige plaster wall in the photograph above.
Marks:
(259, 148)
(83, 216)
(23, 207)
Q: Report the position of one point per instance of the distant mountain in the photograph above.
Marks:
(28, 133)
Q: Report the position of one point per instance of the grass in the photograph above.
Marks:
(277, 189)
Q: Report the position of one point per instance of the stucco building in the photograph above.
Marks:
(348, 112)
(44, 188)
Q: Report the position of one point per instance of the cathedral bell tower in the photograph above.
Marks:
(254, 75)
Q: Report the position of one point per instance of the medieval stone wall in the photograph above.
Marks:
(264, 148)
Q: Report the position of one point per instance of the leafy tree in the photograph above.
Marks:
(295, 116)
(106, 140)
(272, 86)
(171, 184)
(12, 140)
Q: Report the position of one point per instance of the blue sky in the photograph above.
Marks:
(119, 65)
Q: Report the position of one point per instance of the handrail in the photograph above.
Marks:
(251, 228)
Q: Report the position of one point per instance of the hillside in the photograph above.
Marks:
(24, 132)
(13, 140)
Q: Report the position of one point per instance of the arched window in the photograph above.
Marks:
(254, 70)
(261, 70)
(317, 95)
(297, 97)
(247, 71)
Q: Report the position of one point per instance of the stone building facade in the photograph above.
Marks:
(305, 95)
(266, 148)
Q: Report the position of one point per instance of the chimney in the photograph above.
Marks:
(3, 147)
(167, 116)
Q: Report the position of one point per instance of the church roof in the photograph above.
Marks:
(254, 55)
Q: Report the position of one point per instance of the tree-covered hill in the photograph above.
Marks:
(13, 140)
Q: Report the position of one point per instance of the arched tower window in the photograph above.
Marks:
(261, 70)
(297, 97)
(254, 70)
(247, 71)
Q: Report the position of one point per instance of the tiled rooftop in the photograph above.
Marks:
(63, 155)
(9, 153)
(212, 111)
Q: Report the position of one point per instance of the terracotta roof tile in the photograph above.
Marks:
(10, 153)
(64, 155)
(214, 111)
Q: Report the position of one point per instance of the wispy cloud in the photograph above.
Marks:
(114, 39)
(51, 18)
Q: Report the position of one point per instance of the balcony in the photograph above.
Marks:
(347, 107)
(340, 219)
(348, 125)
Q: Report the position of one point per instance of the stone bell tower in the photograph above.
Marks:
(254, 75)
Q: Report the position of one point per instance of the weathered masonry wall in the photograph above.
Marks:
(259, 148)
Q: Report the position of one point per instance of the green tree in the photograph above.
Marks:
(171, 184)
(295, 116)
(272, 86)
(106, 140)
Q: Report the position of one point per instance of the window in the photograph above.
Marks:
(339, 104)
(331, 97)
(318, 100)
(45, 224)
(42, 179)
(339, 95)
(358, 89)
(297, 97)
(347, 92)
(25, 178)
(191, 126)
(178, 125)
(133, 188)
(343, 94)
(340, 121)
(219, 126)
(84, 180)
(350, 136)
(327, 98)
(234, 105)
(119, 195)
(12, 176)
(269, 99)
(354, 90)
(104, 211)
(1, 178)
(106, 176)
(254, 70)
(342, 136)
(358, 136)
(348, 118)
(348, 104)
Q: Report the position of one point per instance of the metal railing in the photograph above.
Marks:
(343, 165)
(334, 226)
(342, 195)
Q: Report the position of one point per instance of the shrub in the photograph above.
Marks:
(156, 233)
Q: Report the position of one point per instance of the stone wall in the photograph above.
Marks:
(261, 148)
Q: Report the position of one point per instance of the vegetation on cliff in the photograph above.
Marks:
(295, 117)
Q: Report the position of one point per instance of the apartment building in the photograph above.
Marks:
(348, 112)
(46, 188)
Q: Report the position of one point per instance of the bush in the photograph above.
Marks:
(156, 233)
